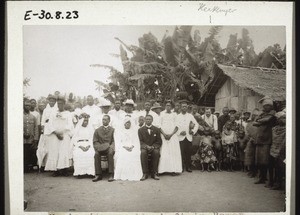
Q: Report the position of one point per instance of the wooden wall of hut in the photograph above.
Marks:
(236, 97)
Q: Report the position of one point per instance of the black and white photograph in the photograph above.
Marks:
(196, 112)
(155, 118)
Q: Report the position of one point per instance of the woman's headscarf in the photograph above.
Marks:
(79, 126)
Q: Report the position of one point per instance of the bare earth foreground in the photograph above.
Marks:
(189, 192)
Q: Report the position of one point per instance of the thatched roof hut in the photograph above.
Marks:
(239, 83)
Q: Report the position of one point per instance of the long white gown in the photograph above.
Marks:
(127, 164)
(170, 154)
(42, 150)
(59, 151)
(83, 161)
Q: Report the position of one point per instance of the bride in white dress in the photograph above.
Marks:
(127, 155)
(83, 151)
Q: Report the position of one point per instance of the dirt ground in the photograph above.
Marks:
(189, 192)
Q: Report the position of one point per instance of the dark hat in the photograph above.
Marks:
(183, 101)
(266, 101)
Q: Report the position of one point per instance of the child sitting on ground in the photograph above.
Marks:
(207, 155)
(217, 147)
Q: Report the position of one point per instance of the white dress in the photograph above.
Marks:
(59, 152)
(42, 150)
(170, 154)
(83, 161)
(127, 164)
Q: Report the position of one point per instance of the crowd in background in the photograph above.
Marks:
(167, 137)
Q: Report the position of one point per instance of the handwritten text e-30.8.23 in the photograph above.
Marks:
(48, 15)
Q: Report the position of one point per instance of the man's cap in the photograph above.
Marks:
(266, 101)
(155, 106)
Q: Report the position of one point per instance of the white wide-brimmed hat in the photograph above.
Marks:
(105, 103)
(129, 102)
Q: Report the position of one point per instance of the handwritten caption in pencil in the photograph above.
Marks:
(215, 9)
(42, 14)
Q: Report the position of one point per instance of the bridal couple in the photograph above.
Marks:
(127, 149)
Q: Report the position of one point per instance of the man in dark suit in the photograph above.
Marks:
(223, 119)
(104, 144)
(150, 140)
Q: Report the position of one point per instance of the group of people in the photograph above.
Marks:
(159, 139)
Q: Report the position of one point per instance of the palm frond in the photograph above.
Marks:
(141, 77)
(214, 31)
(113, 69)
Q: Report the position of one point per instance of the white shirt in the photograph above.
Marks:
(183, 123)
(47, 113)
(212, 121)
(118, 115)
(149, 131)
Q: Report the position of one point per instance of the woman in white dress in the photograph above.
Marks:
(127, 155)
(170, 159)
(83, 151)
(59, 132)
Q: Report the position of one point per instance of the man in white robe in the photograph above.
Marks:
(117, 112)
(93, 110)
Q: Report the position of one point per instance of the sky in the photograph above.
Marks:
(59, 57)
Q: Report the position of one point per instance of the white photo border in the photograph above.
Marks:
(125, 13)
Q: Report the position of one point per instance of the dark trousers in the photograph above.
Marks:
(263, 172)
(30, 158)
(110, 159)
(186, 150)
(155, 155)
(276, 167)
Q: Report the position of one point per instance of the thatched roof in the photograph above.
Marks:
(264, 81)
